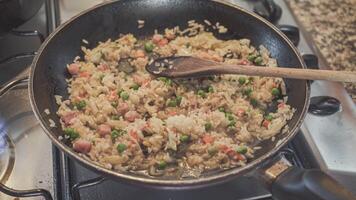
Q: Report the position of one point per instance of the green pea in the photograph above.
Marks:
(275, 92)
(210, 89)
(101, 76)
(247, 91)
(212, 151)
(149, 46)
(221, 109)
(124, 95)
(119, 92)
(71, 133)
(232, 123)
(164, 79)
(230, 117)
(241, 149)
(167, 81)
(251, 57)
(184, 138)
(242, 80)
(162, 165)
(114, 104)
(208, 126)
(80, 105)
(115, 134)
(269, 117)
(172, 103)
(179, 99)
(253, 102)
(115, 117)
(258, 60)
(135, 87)
(121, 147)
(201, 93)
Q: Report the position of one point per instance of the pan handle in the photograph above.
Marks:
(9, 85)
(22, 77)
(293, 183)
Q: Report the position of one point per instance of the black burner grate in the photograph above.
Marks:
(78, 190)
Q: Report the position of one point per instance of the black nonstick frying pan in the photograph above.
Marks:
(108, 20)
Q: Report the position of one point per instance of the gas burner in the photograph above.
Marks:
(268, 9)
(7, 156)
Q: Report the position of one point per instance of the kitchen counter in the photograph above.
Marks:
(332, 29)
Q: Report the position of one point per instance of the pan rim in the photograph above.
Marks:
(168, 183)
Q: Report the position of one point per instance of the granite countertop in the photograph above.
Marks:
(332, 27)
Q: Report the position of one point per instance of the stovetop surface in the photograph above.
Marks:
(28, 160)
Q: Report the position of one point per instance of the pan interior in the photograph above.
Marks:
(120, 17)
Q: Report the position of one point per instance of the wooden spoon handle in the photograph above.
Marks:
(296, 73)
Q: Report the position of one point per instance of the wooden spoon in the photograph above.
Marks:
(190, 67)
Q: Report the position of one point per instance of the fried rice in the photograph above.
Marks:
(123, 118)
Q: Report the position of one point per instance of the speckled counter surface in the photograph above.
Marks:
(332, 27)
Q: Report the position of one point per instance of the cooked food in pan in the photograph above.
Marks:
(123, 118)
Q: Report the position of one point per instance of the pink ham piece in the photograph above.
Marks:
(123, 108)
(163, 42)
(112, 96)
(138, 79)
(67, 119)
(104, 129)
(156, 38)
(82, 146)
(73, 69)
(103, 67)
(131, 116)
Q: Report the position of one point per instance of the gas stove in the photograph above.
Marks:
(28, 160)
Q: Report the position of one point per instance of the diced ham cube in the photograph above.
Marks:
(134, 135)
(73, 68)
(67, 119)
(82, 146)
(156, 38)
(112, 96)
(103, 67)
(207, 139)
(266, 123)
(281, 105)
(244, 62)
(131, 116)
(163, 42)
(84, 74)
(83, 94)
(104, 129)
(240, 112)
(138, 79)
(123, 108)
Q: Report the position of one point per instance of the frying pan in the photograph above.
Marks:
(108, 20)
